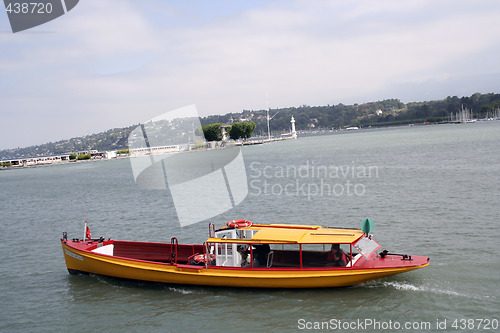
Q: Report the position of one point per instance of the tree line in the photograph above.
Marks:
(236, 131)
(381, 113)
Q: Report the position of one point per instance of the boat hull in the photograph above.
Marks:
(86, 261)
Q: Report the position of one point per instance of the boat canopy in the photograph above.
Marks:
(296, 234)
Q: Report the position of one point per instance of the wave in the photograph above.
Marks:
(410, 287)
(180, 290)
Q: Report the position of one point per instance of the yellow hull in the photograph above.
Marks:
(88, 262)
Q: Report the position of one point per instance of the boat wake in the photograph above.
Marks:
(181, 291)
(410, 287)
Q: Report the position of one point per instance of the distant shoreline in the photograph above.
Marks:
(33, 162)
(40, 165)
(254, 141)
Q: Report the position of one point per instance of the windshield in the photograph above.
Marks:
(366, 246)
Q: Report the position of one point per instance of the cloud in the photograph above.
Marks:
(116, 63)
(317, 53)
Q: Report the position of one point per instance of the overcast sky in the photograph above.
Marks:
(115, 63)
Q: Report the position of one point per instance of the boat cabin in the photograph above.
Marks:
(286, 246)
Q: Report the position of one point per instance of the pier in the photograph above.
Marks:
(56, 159)
(262, 141)
(32, 161)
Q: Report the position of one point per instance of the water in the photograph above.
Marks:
(432, 190)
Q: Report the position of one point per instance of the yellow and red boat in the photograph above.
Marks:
(242, 254)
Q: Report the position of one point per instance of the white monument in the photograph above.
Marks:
(294, 133)
(223, 128)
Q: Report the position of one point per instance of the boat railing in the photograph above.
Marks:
(174, 246)
(343, 228)
(207, 254)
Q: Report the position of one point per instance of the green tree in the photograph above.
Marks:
(123, 151)
(83, 157)
(248, 129)
(242, 129)
(236, 131)
(492, 106)
(211, 132)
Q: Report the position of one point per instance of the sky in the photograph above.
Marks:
(116, 63)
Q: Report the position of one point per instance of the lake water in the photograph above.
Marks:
(431, 190)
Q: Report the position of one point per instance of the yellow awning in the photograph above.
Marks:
(320, 236)
(316, 236)
(279, 235)
(296, 234)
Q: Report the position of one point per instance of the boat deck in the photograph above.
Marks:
(162, 253)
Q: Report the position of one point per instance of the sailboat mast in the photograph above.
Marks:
(268, 128)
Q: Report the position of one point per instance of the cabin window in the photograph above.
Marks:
(366, 246)
(245, 233)
(233, 255)
(284, 256)
(314, 255)
(235, 233)
(224, 255)
(323, 255)
(229, 233)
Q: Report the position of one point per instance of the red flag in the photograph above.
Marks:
(87, 233)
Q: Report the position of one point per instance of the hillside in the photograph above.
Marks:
(113, 139)
(381, 113)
